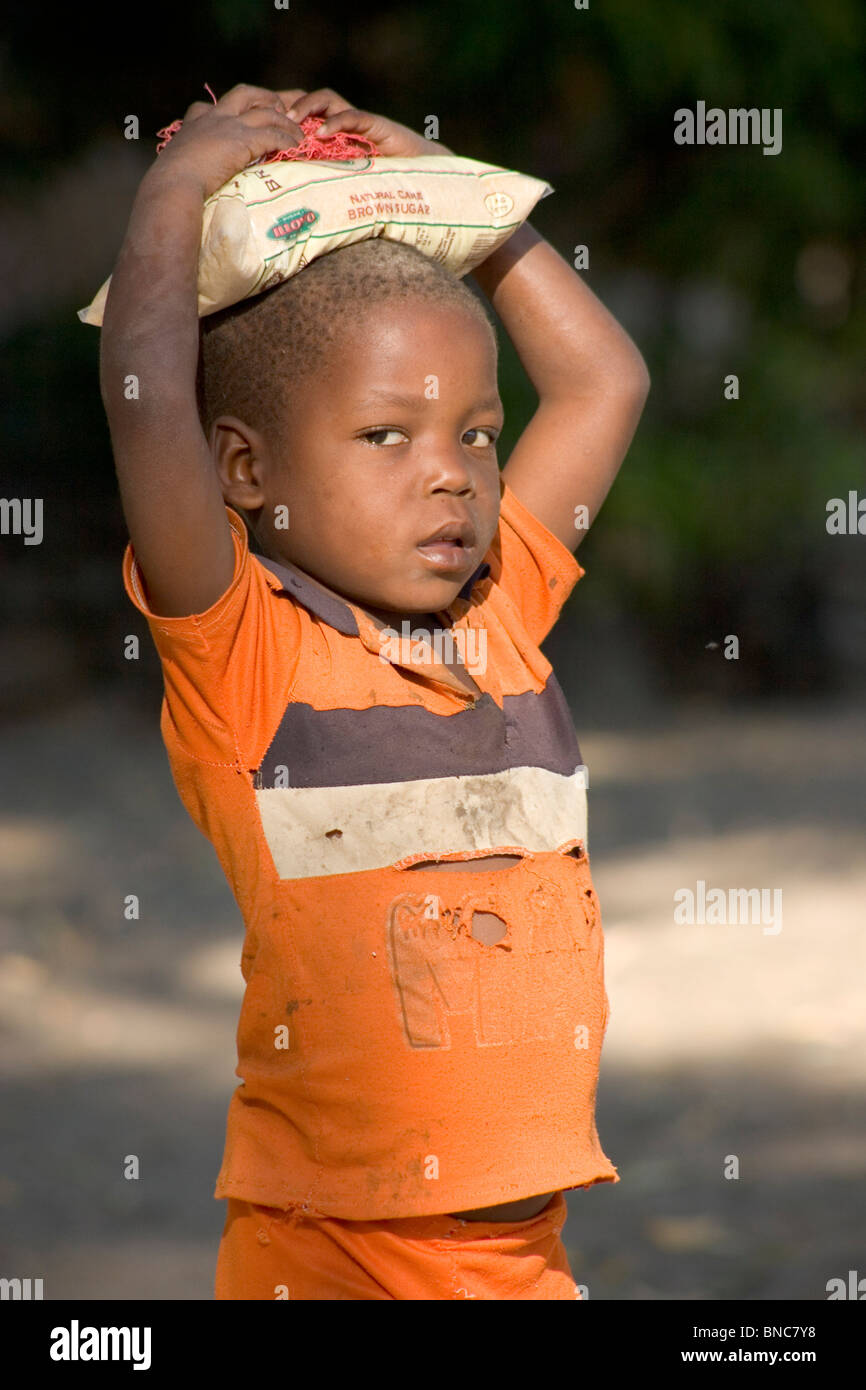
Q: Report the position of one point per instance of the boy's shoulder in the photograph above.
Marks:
(232, 671)
(531, 565)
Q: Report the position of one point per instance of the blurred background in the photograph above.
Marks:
(724, 1040)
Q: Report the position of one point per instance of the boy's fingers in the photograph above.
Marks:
(348, 120)
(197, 109)
(284, 139)
(288, 98)
(324, 102)
(266, 139)
(260, 116)
(243, 98)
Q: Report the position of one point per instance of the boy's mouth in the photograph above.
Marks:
(447, 555)
(451, 546)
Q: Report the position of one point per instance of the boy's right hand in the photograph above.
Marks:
(216, 141)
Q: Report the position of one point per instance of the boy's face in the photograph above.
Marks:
(367, 479)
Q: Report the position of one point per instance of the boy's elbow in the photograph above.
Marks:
(624, 375)
(636, 382)
(632, 390)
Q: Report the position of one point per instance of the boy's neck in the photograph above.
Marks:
(429, 621)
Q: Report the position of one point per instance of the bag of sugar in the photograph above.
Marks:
(275, 217)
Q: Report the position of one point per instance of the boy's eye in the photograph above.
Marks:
(375, 436)
(372, 434)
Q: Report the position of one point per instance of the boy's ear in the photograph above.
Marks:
(238, 452)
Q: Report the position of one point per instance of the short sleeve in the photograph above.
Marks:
(531, 566)
(224, 668)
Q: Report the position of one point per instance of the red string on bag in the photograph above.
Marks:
(340, 145)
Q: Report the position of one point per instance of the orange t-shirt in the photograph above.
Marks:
(392, 1064)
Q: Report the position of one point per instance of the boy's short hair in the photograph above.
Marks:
(256, 355)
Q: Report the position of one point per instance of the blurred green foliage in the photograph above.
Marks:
(718, 259)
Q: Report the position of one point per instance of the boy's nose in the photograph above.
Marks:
(447, 467)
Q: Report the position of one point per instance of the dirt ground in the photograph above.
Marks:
(726, 1041)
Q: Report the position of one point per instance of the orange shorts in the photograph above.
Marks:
(269, 1253)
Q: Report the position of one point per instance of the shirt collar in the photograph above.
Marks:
(337, 612)
(348, 618)
(332, 608)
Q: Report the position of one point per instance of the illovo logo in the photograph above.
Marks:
(291, 224)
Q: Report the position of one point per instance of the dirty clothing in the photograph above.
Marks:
(270, 1254)
(393, 1066)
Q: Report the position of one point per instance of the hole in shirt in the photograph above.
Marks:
(490, 861)
(488, 928)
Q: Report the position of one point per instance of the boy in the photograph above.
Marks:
(404, 832)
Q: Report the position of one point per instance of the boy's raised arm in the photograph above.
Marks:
(592, 383)
(169, 489)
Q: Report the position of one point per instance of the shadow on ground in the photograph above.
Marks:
(735, 1044)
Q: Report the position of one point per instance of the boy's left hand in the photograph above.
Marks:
(391, 139)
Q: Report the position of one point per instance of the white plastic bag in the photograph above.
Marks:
(272, 219)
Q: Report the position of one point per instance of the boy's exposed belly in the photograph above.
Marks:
(488, 928)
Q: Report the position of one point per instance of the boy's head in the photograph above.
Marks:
(292, 391)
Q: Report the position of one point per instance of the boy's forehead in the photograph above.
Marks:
(396, 358)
